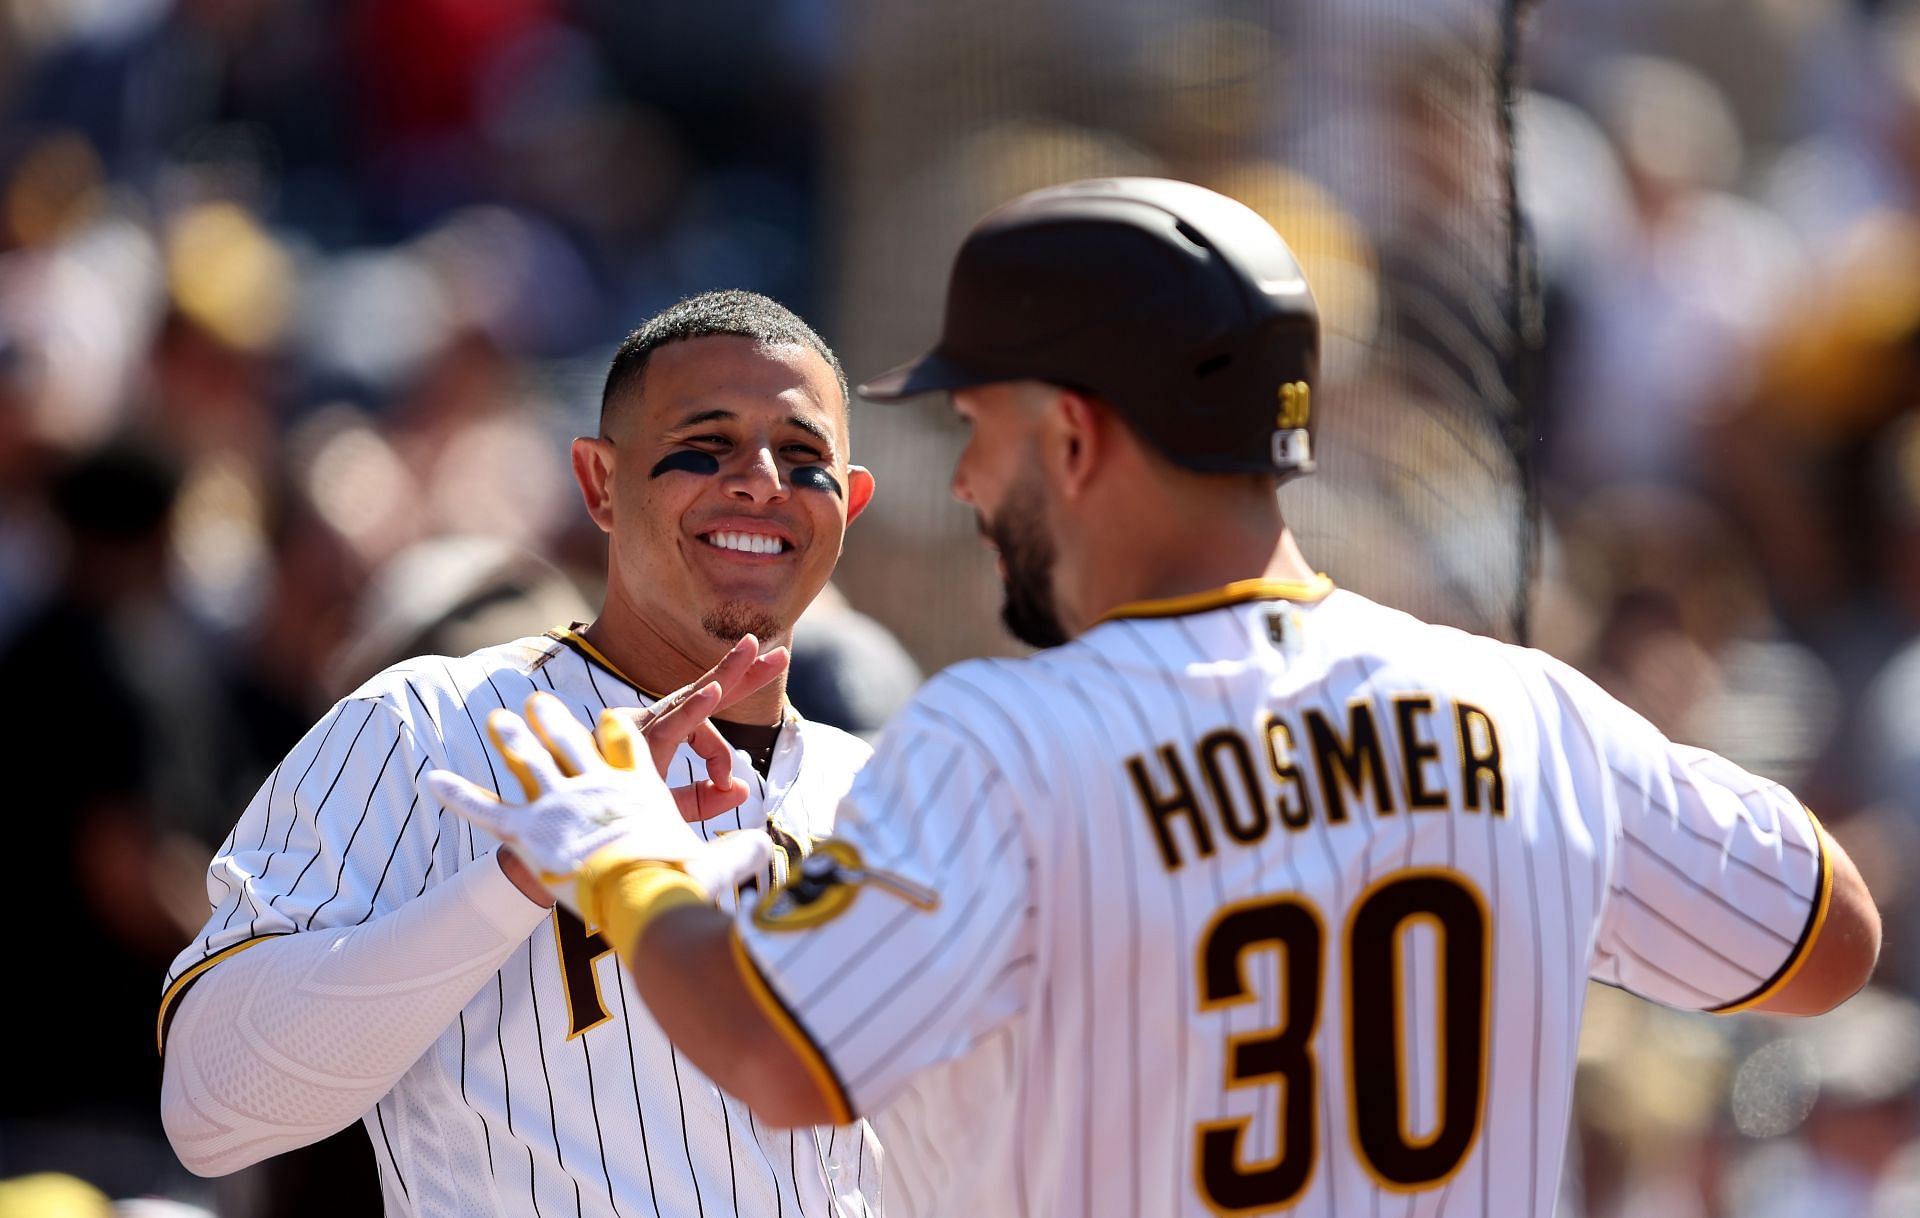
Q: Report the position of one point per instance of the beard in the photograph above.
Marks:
(1019, 532)
(729, 620)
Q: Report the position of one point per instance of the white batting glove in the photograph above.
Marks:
(586, 815)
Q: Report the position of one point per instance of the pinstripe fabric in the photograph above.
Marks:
(546, 1096)
(1193, 862)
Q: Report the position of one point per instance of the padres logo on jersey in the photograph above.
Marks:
(825, 886)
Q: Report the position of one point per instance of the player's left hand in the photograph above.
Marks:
(584, 814)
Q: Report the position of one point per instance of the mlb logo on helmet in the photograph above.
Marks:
(1293, 449)
(1292, 443)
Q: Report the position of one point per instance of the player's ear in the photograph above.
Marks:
(593, 470)
(859, 490)
(1077, 440)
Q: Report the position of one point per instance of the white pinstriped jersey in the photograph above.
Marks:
(554, 1092)
(1254, 905)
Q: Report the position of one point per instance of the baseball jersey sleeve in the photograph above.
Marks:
(1719, 879)
(337, 833)
(901, 943)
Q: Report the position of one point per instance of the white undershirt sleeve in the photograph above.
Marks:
(300, 1035)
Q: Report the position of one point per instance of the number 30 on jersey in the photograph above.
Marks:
(1236, 1178)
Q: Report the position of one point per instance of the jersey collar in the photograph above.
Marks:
(1240, 591)
(571, 636)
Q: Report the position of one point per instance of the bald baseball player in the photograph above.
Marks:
(371, 958)
(1245, 894)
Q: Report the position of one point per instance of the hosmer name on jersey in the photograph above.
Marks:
(1425, 753)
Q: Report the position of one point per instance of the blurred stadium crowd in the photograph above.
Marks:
(300, 300)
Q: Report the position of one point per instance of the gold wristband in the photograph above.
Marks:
(622, 895)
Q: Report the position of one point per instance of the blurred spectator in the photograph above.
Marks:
(449, 597)
(1796, 448)
(115, 891)
(1864, 159)
(1858, 1068)
(299, 616)
(1681, 629)
(424, 70)
(1812, 459)
(1648, 1093)
(24, 560)
(1662, 323)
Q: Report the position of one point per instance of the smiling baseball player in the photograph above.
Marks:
(1245, 895)
(370, 958)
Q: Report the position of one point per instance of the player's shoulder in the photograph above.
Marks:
(1009, 682)
(1364, 624)
(1401, 654)
(1001, 705)
(987, 724)
(421, 689)
(1395, 647)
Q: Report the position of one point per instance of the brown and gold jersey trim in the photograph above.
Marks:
(1809, 934)
(789, 1028)
(571, 637)
(1239, 592)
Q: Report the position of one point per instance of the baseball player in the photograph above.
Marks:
(370, 958)
(1246, 895)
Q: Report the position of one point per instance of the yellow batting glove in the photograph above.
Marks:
(591, 814)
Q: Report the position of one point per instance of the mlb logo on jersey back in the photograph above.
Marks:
(1284, 628)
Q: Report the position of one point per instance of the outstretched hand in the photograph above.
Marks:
(589, 807)
(685, 716)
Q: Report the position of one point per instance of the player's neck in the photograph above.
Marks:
(1177, 554)
(643, 649)
(1188, 574)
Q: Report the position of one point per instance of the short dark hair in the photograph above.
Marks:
(710, 314)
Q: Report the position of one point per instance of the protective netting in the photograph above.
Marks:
(1376, 137)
